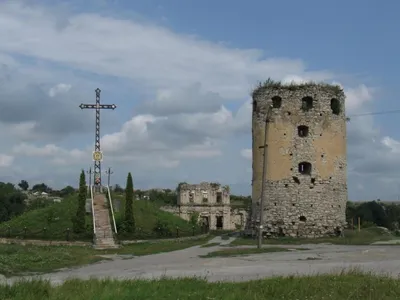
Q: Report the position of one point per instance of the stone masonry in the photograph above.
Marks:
(306, 184)
(212, 203)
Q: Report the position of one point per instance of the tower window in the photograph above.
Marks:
(276, 102)
(305, 168)
(335, 106)
(306, 103)
(302, 130)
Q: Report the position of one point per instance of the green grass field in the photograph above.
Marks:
(364, 237)
(230, 252)
(18, 259)
(349, 286)
(57, 217)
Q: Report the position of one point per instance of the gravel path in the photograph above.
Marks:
(318, 259)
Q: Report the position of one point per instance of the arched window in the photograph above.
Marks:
(335, 106)
(305, 168)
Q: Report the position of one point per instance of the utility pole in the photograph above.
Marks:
(90, 175)
(109, 172)
(264, 175)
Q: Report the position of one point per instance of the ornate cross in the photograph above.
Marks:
(97, 154)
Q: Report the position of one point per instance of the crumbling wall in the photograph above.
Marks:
(297, 204)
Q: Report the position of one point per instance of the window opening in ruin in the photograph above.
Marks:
(335, 106)
(313, 180)
(293, 204)
(219, 197)
(293, 223)
(291, 169)
(302, 131)
(302, 219)
(305, 168)
(286, 185)
(289, 113)
(205, 200)
(306, 103)
(220, 222)
(311, 205)
(296, 179)
(274, 203)
(276, 102)
(291, 154)
(191, 196)
(322, 155)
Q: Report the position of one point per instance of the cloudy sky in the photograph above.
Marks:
(180, 73)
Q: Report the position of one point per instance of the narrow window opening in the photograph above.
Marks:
(311, 205)
(306, 103)
(335, 106)
(296, 179)
(305, 168)
(322, 155)
(274, 203)
(313, 180)
(293, 204)
(286, 185)
(302, 219)
(289, 113)
(302, 131)
(293, 223)
(276, 102)
(219, 197)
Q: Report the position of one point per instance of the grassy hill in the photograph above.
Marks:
(57, 217)
(148, 216)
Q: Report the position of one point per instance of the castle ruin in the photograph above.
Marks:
(306, 184)
(211, 203)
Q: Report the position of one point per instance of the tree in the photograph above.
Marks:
(79, 220)
(41, 187)
(24, 185)
(68, 190)
(129, 218)
(118, 189)
(12, 202)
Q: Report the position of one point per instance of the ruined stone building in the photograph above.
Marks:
(211, 202)
(306, 185)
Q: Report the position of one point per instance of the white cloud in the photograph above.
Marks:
(247, 153)
(58, 89)
(150, 54)
(6, 160)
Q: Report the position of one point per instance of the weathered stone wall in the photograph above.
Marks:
(300, 204)
(203, 193)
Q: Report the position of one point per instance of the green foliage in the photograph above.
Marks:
(24, 185)
(12, 202)
(41, 187)
(147, 216)
(38, 203)
(345, 285)
(79, 219)
(56, 218)
(270, 84)
(129, 224)
(194, 218)
(118, 189)
(163, 197)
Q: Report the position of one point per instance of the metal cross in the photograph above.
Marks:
(97, 107)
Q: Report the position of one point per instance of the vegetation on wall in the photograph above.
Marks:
(292, 86)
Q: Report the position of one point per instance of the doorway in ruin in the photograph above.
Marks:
(205, 223)
(220, 222)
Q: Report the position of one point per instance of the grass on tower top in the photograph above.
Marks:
(293, 86)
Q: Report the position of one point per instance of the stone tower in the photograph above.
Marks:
(306, 184)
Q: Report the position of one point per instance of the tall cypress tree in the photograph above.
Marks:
(129, 218)
(79, 220)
